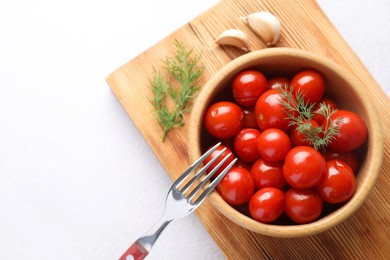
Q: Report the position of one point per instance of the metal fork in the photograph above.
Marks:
(179, 203)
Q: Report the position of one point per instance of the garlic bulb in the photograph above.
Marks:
(234, 37)
(265, 25)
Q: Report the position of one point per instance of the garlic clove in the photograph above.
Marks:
(265, 25)
(234, 37)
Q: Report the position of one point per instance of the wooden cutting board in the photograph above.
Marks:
(366, 235)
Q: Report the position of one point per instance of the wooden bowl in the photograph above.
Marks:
(342, 86)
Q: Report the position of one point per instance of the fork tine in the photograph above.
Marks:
(207, 177)
(214, 183)
(201, 171)
(194, 165)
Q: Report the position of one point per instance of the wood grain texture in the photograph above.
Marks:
(366, 235)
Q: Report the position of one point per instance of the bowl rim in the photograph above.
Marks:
(374, 148)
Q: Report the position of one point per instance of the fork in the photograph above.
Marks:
(178, 203)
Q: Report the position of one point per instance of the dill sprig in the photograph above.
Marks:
(183, 71)
(321, 137)
(297, 109)
(299, 113)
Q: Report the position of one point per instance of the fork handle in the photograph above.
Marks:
(142, 246)
(135, 252)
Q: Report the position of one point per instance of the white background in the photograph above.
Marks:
(77, 179)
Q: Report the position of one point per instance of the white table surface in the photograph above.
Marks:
(77, 179)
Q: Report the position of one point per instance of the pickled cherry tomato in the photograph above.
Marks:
(310, 84)
(249, 120)
(270, 113)
(303, 205)
(338, 184)
(273, 145)
(267, 204)
(352, 131)
(247, 86)
(237, 187)
(351, 158)
(245, 144)
(278, 82)
(223, 119)
(304, 167)
(267, 174)
(241, 164)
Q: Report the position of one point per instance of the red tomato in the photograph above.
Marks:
(303, 205)
(223, 119)
(249, 120)
(339, 183)
(237, 187)
(304, 167)
(297, 138)
(267, 174)
(247, 86)
(352, 131)
(245, 144)
(214, 154)
(310, 83)
(351, 158)
(240, 163)
(318, 109)
(273, 145)
(278, 82)
(267, 204)
(270, 112)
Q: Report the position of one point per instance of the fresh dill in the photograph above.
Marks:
(179, 86)
(299, 113)
(296, 108)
